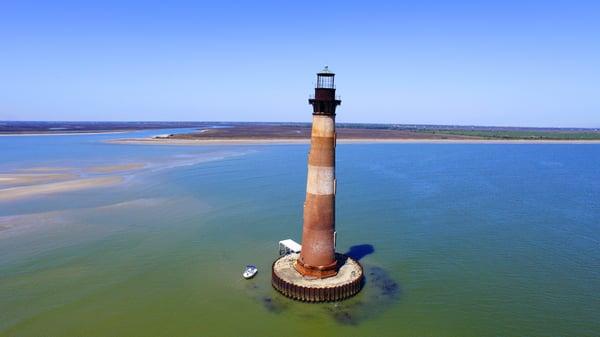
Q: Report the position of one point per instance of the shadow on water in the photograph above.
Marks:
(380, 292)
(357, 252)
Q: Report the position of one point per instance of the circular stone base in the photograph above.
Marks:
(346, 283)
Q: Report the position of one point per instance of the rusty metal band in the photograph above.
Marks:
(319, 212)
(322, 151)
(316, 271)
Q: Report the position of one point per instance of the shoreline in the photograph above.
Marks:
(283, 141)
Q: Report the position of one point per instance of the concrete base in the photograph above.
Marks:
(346, 283)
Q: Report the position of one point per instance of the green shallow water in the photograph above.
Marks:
(457, 240)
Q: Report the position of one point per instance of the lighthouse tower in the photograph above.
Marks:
(318, 273)
(318, 258)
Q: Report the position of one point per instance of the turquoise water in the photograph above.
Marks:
(456, 240)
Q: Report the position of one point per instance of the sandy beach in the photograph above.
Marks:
(26, 134)
(242, 141)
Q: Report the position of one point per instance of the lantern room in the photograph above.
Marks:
(326, 79)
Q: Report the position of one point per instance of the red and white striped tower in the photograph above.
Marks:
(317, 258)
(318, 273)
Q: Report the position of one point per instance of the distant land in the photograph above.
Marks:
(28, 127)
(256, 131)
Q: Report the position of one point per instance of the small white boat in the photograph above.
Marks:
(250, 271)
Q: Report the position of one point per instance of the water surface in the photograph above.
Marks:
(456, 239)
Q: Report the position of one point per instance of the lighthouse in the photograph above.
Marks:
(317, 258)
(318, 273)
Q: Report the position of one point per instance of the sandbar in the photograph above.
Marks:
(115, 168)
(45, 169)
(20, 192)
(33, 178)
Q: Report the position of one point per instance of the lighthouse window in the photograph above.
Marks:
(325, 82)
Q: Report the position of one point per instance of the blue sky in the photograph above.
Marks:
(516, 63)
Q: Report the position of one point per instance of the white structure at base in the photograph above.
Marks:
(289, 246)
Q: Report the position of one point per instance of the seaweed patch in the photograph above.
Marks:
(273, 305)
(380, 292)
(382, 283)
